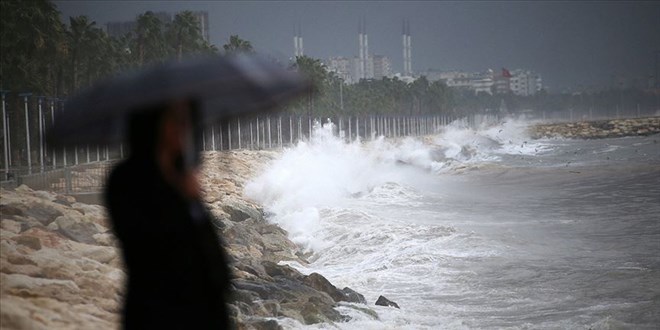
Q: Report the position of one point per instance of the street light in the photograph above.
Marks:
(41, 135)
(5, 135)
(27, 129)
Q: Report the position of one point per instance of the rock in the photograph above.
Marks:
(315, 311)
(382, 301)
(240, 211)
(43, 213)
(106, 239)
(101, 254)
(94, 211)
(273, 269)
(30, 241)
(82, 232)
(353, 296)
(598, 128)
(264, 325)
(45, 195)
(64, 200)
(60, 267)
(11, 210)
(318, 282)
(11, 226)
(23, 189)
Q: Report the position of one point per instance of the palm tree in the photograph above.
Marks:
(184, 34)
(32, 36)
(237, 45)
(150, 39)
(79, 36)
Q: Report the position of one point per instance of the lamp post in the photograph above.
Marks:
(25, 97)
(41, 135)
(52, 122)
(5, 134)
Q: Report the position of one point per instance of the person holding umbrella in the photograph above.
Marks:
(178, 274)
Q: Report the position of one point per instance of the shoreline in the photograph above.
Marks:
(60, 264)
(597, 129)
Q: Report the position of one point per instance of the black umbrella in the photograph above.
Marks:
(225, 87)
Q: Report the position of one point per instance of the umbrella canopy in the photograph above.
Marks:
(225, 87)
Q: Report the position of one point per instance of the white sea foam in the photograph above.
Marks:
(349, 203)
(370, 225)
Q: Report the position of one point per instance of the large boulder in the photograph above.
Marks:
(382, 301)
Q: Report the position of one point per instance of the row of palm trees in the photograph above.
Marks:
(387, 96)
(42, 55)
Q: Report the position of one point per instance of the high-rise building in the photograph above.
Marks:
(407, 49)
(342, 67)
(298, 49)
(363, 50)
(350, 69)
(382, 66)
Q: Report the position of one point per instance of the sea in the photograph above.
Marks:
(476, 227)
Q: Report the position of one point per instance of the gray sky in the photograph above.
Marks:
(571, 44)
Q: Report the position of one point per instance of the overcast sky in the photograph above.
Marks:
(571, 44)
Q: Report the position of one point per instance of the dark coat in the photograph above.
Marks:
(177, 270)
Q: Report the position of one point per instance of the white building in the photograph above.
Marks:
(342, 67)
(520, 82)
(525, 83)
(382, 66)
(350, 69)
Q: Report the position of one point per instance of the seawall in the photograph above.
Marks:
(598, 129)
(60, 264)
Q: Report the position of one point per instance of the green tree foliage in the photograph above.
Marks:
(42, 55)
(317, 101)
(185, 37)
(32, 46)
(149, 41)
(237, 45)
(387, 96)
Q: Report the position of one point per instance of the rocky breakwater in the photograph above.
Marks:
(598, 129)
(264, 289)
(60, 266)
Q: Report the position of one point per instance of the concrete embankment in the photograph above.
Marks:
(60, 266)
(598, 128)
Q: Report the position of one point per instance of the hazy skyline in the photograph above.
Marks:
(570, 44)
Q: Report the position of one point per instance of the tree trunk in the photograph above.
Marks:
(74, 74)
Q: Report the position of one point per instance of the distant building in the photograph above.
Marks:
(382, 66)
(502, 82)
(119, 29)
(351, 69)
(483, 82)
(525, 83)
(518, 82)
(342, 67)
(407, 50)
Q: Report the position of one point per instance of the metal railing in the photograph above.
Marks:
(84, 168)
(75, 179)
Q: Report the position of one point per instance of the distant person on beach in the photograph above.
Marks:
(178, 276)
